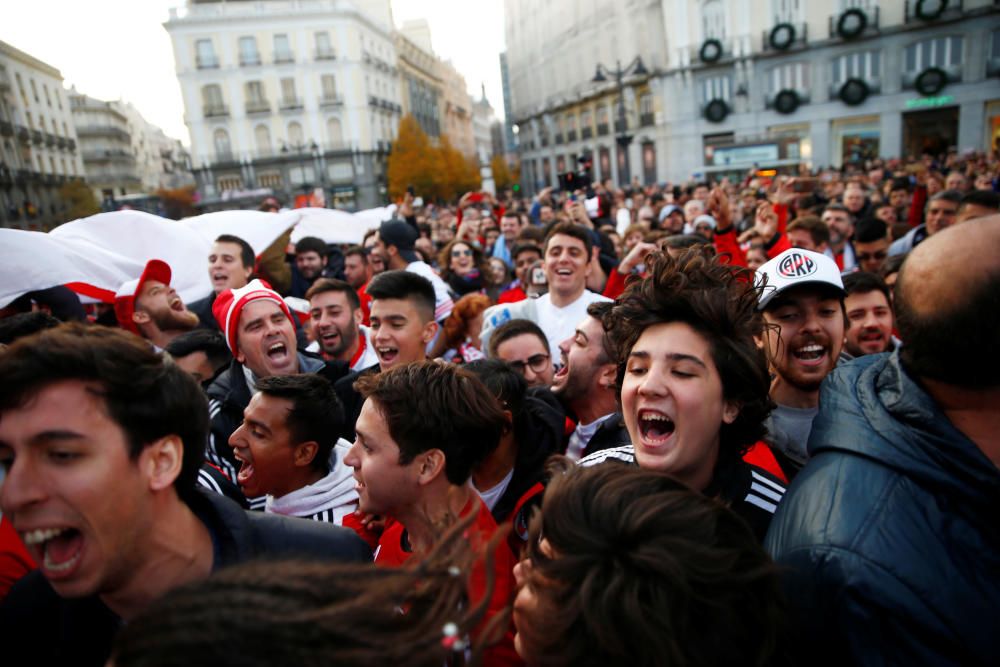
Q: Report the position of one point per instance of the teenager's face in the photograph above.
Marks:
(529, 357)
(400, 332)
(225, 267)
(82, 507)
(384, 485)
(672, 403)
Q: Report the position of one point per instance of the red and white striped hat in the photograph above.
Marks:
(230, 303)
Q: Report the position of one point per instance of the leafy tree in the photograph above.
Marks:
(501, 174)
(178, 203)
(458, 174)
(413, 161)
(79, 198)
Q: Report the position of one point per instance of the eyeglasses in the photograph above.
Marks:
(536, 363)
(458, 252)
(865, 256)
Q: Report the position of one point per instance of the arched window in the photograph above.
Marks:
(295, 134)
(262, 139)
(222, 148)
(334, 131)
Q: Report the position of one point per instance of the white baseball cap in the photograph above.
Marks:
(793, 268)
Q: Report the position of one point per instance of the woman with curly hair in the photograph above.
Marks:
(459, 339)
(464, 268)
(693, 384)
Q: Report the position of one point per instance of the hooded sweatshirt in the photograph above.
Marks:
(329, 499)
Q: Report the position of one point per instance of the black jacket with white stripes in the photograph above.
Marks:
(751, 492)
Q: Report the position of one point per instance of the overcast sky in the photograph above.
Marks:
(113, 49)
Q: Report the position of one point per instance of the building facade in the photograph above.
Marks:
(420, 80)
(730, 84)
(107, 145)
(288, 96)
(456, 110)
(38, 142)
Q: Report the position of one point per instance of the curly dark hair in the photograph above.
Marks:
(719, 301)
(640, 570)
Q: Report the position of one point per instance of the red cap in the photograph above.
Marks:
(156, 269)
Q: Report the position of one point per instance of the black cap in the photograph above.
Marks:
(401, 234)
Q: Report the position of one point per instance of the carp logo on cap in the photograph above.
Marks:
(796, 265)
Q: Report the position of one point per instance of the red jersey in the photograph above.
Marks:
(393, 550)
(14, 559)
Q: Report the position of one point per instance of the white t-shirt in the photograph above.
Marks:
(491, 496)
(560, 323)
(442, 296)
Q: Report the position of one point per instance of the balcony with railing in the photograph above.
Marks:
(325, 54)
(570, 136)
(602, 129)
(646, 119)
(258, 106)
(249, 59)
(290, 104)
(103, 131)
(283, 57)
(207, 62)
(586, 133)
(211, 111)
(329, 100)
(559, 138)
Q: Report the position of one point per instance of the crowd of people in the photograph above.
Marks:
(721, 423)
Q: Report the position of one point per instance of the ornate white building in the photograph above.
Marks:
(288, 95)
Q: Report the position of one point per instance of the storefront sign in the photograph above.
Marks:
(745, 155)
(930, 102)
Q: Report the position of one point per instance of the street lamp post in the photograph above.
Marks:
(623, 138)
(300, 148)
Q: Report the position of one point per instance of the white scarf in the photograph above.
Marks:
(333, 492)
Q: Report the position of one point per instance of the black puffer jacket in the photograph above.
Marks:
(890, 534)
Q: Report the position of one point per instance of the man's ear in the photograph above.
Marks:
(359, 316)
(141, 317)
(606, 379)
(161, 462)
(304, 453)
(430, 466)
(430, 330)
(239, 356)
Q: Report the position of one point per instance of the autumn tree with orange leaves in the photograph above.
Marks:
(435, 172)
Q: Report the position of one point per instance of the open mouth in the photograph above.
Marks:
(277, 351)
(655, 427)
(58, 550)
(387, 355)
(177, 304)
(246, 470)
(358, 484)
(871, 337)
(810, 355)
(220, 278)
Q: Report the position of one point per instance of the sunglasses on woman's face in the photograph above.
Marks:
(458, 252)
